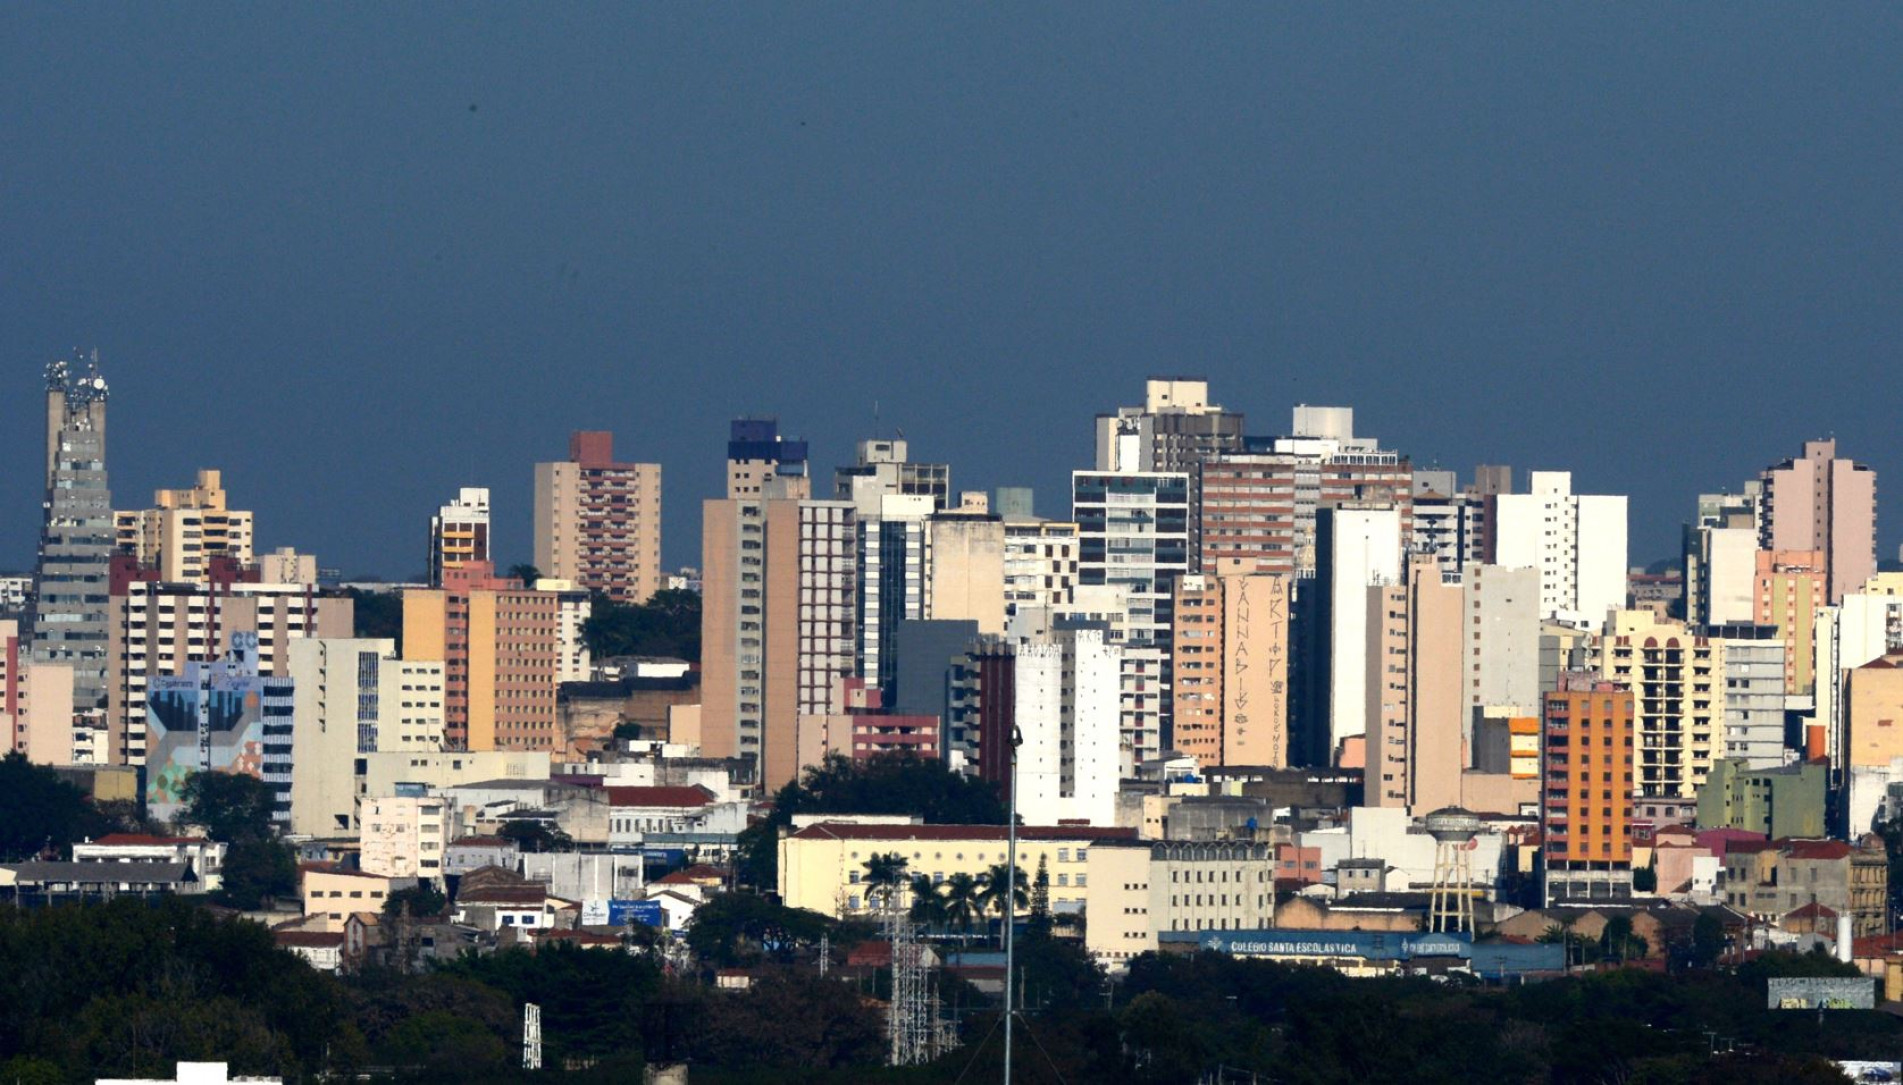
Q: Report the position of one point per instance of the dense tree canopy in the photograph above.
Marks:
(229, 806)
(377, 614)
(39, 812)
(667, 625)
(887, 784)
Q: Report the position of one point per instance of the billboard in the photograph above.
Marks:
(1819, 993)
(622, 913)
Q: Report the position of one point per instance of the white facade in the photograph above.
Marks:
(1066, 708)
(1577, 542)
(1731, 574)
(1503, 661)
(1364, 550)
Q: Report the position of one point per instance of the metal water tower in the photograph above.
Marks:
(1450, 904)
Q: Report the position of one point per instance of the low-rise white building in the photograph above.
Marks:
(195, 1073)
(205, 858)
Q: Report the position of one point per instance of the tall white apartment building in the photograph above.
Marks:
(1677, 678)
(1360, 550)
(1066, 707)
(1577, 542)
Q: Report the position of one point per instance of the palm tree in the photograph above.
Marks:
(928, 907)
(962, 900)
(1003, 893)
(885, 874)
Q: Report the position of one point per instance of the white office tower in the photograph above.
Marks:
(1577, 542)
(1728, 563)
(1065, 707)
(1360, 550)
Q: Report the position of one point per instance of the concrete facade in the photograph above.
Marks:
(184, 529)
(1577, 542)
(598, 521)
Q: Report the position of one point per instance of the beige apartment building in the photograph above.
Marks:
(459, 533)
(777, 638)
(1416, 705)
(823, 866)
(36, 706)
(598, 521)
(185, 529)
(1040, 563)
(1790, 586)
(1138, 889)
(1820, 501)
(1230, 647)
(1677, 681)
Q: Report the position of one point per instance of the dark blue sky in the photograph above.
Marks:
(1659, 247)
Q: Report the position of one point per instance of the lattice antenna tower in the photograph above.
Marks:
(909, 1026)
(531, 1036)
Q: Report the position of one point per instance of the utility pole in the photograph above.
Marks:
(1010, 896)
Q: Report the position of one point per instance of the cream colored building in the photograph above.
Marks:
(353, 697)
(186, 529)
(1138, 889)
(964, 570)
(403, 837)
(440, 770)
(286, 566)
(1677, 680)
(332, 896)
(823, 866)
(36, 706)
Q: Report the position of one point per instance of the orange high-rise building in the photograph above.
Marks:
(1586, 793)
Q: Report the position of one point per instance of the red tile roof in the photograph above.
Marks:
(695, 795)
(693, 875)
(839, 830)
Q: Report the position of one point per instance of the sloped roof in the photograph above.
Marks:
(1813, 910)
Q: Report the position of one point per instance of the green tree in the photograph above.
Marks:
(229, 806)
(39, 812)
(791, 1024)
(377, 614)
(885, 874)
(667, 625)
(1708, 941)
(257, 873)
(420, 901)
(1619, 942)
(1001, 893)
(962, 905)
(526, 573)
(928, 904)
(886, 784)
(736, 928)
(536, 836)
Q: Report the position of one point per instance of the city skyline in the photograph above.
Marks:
(1622, 247)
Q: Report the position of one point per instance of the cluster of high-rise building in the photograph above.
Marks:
(1213, 607)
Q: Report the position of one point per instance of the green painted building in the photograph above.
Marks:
(1782, 802)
